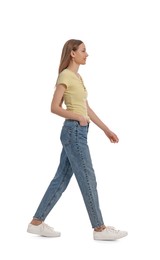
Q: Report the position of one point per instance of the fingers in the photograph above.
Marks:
(114, 140)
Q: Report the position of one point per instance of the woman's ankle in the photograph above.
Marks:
(36, 222)
(100, 228)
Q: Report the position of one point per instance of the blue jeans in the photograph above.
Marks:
(75, 158)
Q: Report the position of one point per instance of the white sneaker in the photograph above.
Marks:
(109, 233)
(43, 230)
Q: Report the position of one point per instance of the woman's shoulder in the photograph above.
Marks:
(64, 77)
(64, 72)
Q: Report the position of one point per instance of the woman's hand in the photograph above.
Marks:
(112, 136)
(83, 121)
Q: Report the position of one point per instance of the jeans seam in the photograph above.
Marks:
(90, 196)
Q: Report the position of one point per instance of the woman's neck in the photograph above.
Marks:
(73, 67)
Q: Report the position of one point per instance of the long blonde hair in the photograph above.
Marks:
(70, 45)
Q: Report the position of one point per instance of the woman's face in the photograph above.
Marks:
(80, 55)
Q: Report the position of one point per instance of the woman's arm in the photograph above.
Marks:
(56, 106)
(96, 120)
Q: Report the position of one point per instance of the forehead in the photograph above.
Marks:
(82, 46)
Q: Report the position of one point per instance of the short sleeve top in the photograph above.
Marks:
(75, 94)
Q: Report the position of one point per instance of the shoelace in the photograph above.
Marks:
(110, 228)
(46, 226)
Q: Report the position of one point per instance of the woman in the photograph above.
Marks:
(75, 157)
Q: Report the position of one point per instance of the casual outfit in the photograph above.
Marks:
(75, 158)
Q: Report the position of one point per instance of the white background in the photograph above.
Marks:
(122, 78)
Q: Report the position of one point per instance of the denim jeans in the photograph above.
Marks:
(75, 158)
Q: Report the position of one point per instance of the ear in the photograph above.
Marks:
(72, 54)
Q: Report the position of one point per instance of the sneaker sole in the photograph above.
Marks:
(43, 235)
(109, 239)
